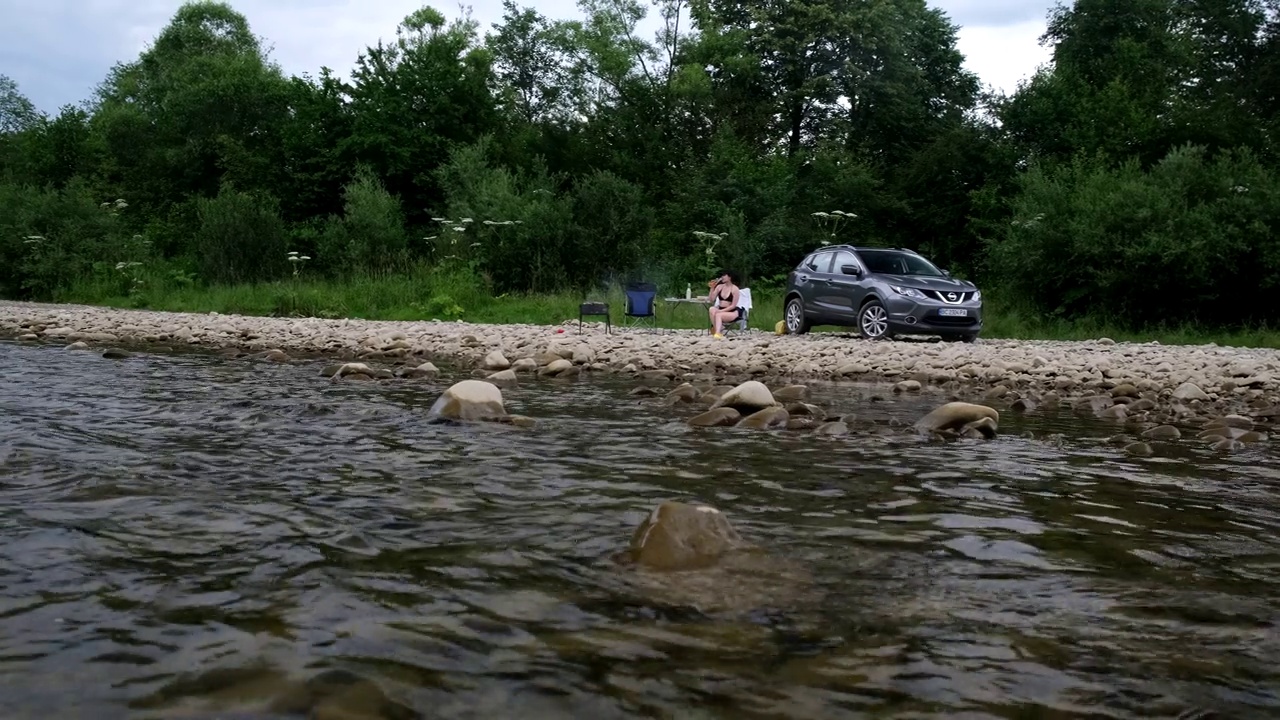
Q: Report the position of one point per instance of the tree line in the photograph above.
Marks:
(1134, 178)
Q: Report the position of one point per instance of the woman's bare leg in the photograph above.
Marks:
(722, 317)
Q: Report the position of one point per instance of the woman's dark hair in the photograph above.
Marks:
(733, 276)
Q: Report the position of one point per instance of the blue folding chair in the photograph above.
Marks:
(640, 310)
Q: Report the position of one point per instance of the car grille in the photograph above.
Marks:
(950, 298)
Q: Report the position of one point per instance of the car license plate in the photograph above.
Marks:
(953, 312)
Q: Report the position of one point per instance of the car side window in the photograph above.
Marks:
(819, 262)
(844, 257)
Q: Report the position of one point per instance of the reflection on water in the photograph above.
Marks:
(186, 536)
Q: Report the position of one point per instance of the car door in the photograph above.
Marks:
(845, 291)
(811, 281)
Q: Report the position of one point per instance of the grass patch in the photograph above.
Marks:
(426, 294)
(421, 294)
(1004, 321)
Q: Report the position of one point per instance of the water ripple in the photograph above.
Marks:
(190, 537)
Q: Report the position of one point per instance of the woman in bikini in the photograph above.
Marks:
(724, 299)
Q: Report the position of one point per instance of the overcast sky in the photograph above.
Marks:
(58, 50)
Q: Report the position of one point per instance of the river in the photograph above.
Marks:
(189, 536)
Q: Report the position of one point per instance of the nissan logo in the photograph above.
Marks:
(951, 297)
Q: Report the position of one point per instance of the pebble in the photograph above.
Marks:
(1195, 381)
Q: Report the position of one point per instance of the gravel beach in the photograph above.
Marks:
(1174, 381)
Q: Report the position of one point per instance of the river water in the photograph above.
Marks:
(187, 536)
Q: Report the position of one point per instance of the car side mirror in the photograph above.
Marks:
(947, 273)
(850, 269)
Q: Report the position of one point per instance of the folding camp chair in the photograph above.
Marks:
(641, 307)
(744, 302)
(593, 308)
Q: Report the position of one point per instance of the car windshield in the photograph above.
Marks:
(893, 262)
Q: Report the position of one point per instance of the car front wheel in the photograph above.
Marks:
(797, 324)
(873, 321)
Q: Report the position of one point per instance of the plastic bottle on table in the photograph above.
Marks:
(688, 291)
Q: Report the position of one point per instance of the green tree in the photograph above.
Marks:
(16, 111)
(201, 105)
(415, 99)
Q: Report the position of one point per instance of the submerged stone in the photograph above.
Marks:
(1162, 432)
(833, 428)
(791, 393)
(719, 417)
(955, 416)
(767, 419)
(679, 536)
(1139, 449)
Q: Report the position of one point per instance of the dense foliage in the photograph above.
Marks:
(1134, 178)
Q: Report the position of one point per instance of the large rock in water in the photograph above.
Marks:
(720, 417)
(678, 536)
(957, 415)
(470, 400)
(749, 397)
(768, 419)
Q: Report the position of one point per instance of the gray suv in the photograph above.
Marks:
(882, 292)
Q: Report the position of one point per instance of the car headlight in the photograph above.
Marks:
(909, 292)
(977, 295)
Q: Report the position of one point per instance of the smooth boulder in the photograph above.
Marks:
(470, 400)
(907, 386)
(980, 429)
(496, 361)
(719, 417)
(955, 416)
(1190, 391)
(425, 370)
(556, 368)
(791, 393)
(834, 428)
(503, 377)
(353, 370)
(774, 418)
(749, 397)
(680, 536)
(1162, 432)
(684, 393)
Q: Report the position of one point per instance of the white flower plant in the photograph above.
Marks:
(456, 244)
(709, 242)
(833, 218)
(297, 261)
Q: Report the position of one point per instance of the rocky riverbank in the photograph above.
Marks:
(1132, 382)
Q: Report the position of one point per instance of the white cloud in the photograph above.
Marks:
(58, 50)
(1002, 56)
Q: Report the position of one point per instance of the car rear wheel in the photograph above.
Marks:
(797, 323)
(873, 321)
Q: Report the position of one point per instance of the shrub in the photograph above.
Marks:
(241, 237)
(50, 238)
(1191, 240)
(370, 236)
